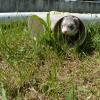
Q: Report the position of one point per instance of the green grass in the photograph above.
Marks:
(46, 68)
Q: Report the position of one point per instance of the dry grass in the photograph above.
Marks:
(42, 70)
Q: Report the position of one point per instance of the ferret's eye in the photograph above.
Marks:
(71, 27)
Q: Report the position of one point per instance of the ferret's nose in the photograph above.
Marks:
(64, 30)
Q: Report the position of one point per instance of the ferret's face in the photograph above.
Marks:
(69, 25)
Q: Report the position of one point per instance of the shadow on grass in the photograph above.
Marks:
(60, 45)
(92, 40)
(87, 47)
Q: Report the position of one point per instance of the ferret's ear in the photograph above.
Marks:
(76, 20)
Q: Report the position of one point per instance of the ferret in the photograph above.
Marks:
(71, 27)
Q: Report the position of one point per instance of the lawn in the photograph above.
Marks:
(47, 69)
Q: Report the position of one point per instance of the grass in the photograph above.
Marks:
(47, 69)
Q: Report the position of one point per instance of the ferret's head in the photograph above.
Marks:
(70, 25)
